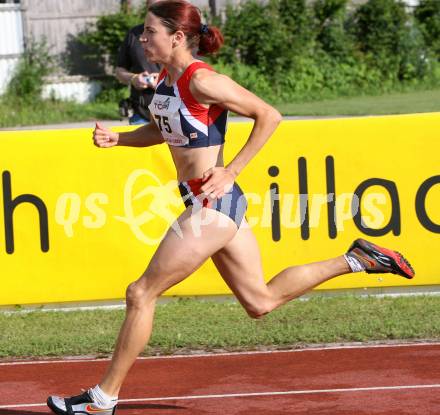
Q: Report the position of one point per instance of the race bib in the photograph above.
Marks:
(165, 113)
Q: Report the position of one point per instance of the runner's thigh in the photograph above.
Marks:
(239, 264)
(185, 248)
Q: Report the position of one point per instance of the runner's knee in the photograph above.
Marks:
(258, 310)
(138, 295)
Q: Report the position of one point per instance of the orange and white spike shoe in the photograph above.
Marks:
(376, 259)
(77, 405)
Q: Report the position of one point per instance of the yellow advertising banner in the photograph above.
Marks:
(79, 223)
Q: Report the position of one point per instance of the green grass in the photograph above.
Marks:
(14, 114)
(393, 103)
(208, 325)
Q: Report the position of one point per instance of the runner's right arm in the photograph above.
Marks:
(145, 136)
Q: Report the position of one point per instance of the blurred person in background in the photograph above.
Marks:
(135, 70)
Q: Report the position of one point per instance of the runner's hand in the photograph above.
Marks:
(103, 137)
(217, 182)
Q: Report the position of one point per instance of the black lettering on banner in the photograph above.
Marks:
(303, 198)
(331, 196)
(9, 206)
(394, 222)
(275, 204)
(165, 121)
(422, 215)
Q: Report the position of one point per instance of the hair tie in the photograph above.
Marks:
(204, 29)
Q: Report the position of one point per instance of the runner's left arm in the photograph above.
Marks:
(211, 88)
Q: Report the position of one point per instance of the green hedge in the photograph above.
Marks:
(290, 50)
(106, 35)
(428, 16)
(27, 83)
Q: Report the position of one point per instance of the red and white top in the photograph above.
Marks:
(182, 120)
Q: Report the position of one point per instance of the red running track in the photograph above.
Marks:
(387, 379)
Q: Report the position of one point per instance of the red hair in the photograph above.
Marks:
(181, 15)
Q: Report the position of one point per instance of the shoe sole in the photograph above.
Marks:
(53, 408)
(399, 264)
(58, 411)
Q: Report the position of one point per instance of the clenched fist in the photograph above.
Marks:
(103, 137)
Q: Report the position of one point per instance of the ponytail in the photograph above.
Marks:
(211, 40)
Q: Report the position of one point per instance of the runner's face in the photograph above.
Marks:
(156, 41)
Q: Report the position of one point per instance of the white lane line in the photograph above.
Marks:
(253, 394)
(256, 352)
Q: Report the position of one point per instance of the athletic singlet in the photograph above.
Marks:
(181, 119)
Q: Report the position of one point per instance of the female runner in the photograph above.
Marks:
(189, 109)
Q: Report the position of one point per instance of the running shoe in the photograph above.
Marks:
(380, 260)
(77, 405)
